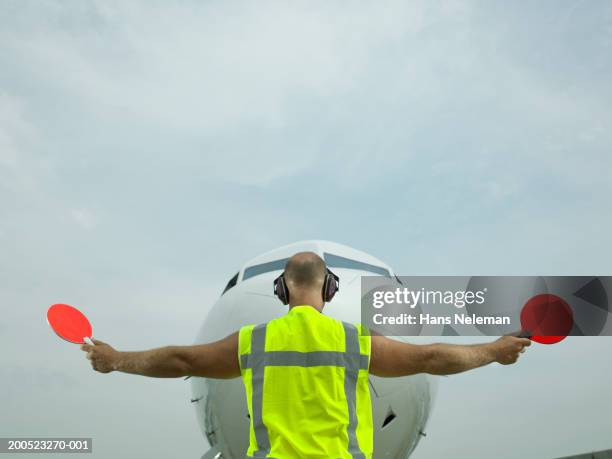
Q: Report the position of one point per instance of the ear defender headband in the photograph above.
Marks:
(331, 285)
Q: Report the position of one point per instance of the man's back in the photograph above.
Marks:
(306, 379)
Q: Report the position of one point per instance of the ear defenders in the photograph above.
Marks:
(331, 285)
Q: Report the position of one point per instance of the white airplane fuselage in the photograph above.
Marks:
(400, 406)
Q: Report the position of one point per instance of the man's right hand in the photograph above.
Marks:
(102, 356)
(508, 348)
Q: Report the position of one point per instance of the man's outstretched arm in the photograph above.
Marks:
(213, 360)
(393, 358)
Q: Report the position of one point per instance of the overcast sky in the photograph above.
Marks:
(148, 149)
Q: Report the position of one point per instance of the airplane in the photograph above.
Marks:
(401, 406)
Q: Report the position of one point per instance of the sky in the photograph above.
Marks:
(148, 149)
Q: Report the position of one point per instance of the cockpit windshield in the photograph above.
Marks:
(232, 282)
(332, 261)
(336, 261)
(256, 270)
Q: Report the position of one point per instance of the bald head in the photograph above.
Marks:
(305, 270)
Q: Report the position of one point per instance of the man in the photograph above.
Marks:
(306, 374)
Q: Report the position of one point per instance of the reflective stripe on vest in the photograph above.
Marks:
(352, 360)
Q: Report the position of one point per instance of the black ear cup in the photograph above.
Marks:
(330, 286)
(280, 289)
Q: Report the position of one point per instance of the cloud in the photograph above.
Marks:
(246, 85)
(258, 71)
(84, 218)
(17, 379)
(18, 169)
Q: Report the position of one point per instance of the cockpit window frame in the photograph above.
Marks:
(262, 268)
(336, 261)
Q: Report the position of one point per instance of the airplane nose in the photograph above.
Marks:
(400, 411)
(223, 416)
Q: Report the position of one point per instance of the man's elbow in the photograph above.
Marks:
(406, 361)
(429, 360)
(181, 361)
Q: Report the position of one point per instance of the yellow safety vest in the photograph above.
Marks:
(306, 381)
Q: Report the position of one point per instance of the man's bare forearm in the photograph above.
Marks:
(164, 362)
(213, 360)
(393, 358)
(448, 359)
